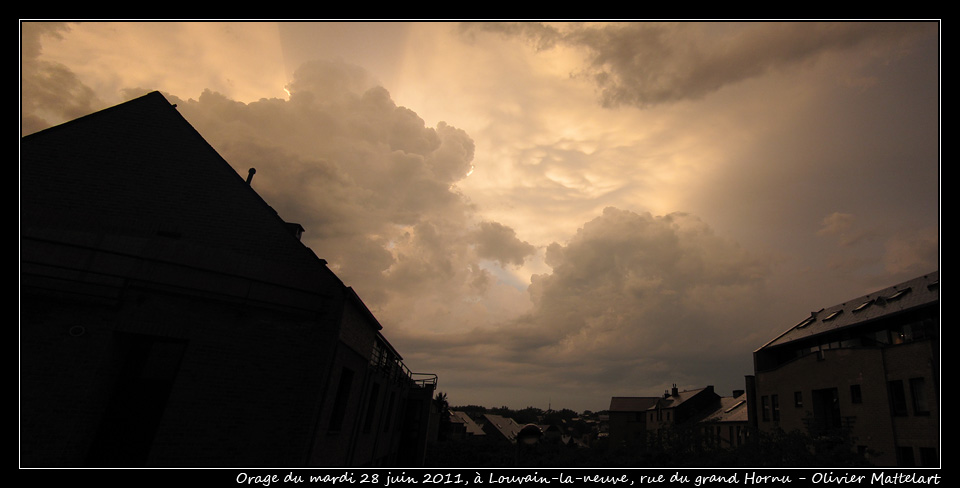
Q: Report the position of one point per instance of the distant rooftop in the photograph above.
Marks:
(732, 409)
(632, 404)
(674, 400)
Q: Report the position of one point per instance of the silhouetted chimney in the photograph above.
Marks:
(673, 391)
(250, 174)
(295, 229)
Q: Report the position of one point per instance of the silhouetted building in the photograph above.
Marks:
(169, 317)
(636, 422)
(677, 407)
(500, 427)
(462, 426)
(867, 369)
(628, 421)
(728, 426)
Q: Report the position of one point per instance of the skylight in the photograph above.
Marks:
(832, 315)
(899, 294)
(741, 402)
(809, 320)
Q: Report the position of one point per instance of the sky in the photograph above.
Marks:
(554, 214)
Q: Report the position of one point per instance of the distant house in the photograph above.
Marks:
(728, 426)
(170, 317)
(868, 368)
(679, 407)
(704, 417)
(462, 426)
(500, 427)
(627, 425)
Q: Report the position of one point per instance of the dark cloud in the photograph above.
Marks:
(49, 92)
(644, 64)
(498, 242)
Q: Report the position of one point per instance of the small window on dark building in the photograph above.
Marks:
(340, 401)
(775, 403)
(856, 396)
(765, 402)
(371, 407)
(928, 457)
(905, 456)
(389, 415)
(919, 397)
(798, 399)
(898, 400)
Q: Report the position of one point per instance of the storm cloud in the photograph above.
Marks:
(556, 212)
(645, 64)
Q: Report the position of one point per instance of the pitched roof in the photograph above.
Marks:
(138, 181)
(732, 409)
(895, 299)
(459, 417)
(672, 401)
(504, 425)
(139, 168)
(632, 404)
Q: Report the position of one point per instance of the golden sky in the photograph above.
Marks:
(557, 213)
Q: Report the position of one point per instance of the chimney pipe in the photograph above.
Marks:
(250, 174)
(673, 391)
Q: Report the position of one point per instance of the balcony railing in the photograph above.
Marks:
(392, 368)
(424, 380)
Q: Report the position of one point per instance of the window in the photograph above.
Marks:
(371, 407)
(905, 456)
(833, 315)
(340, 401)
(826, 410)
(775, 402)
(898, 401)
(765, 402)
(144, 370)
(928, 457)
(897, 295)
(389, 416)
(919, 397)
(855, 395)
(798, 399)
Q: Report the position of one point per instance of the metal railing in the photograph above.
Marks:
(424, 380)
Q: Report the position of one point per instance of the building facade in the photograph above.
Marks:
(169, 317)
(866, 369)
